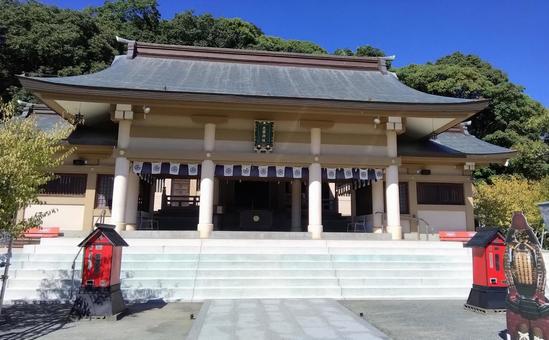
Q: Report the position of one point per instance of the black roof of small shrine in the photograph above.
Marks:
(483, 237)
(109, 232)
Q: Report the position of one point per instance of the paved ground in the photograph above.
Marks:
(156, 320)
(403, 320)
(150, 321)
(273, 319)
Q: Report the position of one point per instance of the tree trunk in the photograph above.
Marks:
(5, 276)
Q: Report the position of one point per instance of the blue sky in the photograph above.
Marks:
(512, 35)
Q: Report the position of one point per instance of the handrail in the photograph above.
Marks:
(427, 227)
(72, 272)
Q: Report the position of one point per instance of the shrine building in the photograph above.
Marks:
(207, 139)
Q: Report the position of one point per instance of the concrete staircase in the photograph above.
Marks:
(194, 269)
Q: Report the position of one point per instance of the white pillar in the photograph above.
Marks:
(207, 175)
(205, 215)
(132, 198)
(377, 205)
(120, 187)
(391, 191)
(296, 205)
(121, 171)
(315, 201)
(315, 187)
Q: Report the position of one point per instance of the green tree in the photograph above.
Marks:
(204, 30)
(277, 44)
(27, 156)
(363, 51)
(495, 202)
(512, 118)
(45, 40)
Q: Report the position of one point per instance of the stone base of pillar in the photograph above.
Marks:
(120, 226)
(315, 230)
(131, 227)
(378, 229)
(205, 230)
(396, 232)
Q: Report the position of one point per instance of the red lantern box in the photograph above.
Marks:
(100, 293)
(489, 284)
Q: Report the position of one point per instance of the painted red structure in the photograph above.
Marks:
(101, 263)
(488, 270)
(527, 306)
(100, 293)
(489, 281)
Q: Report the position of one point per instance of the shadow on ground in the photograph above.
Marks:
(32, 321)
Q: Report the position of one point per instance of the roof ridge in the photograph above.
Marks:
(136, 48)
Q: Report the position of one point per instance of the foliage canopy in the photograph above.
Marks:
(27, 156)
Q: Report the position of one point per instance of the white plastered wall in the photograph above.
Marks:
(444, 219)
(66, 217)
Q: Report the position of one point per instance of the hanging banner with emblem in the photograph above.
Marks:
(263, 136)
(193, 169)
(263, 171)
(348, 172)
(137, 167)
(363, 174)
(379, 174)
(227, 170)
(331, 173)
(246, 170)
(174, 168)
(156, 168)
(296, 172)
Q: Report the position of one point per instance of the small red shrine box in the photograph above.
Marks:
(489, 284)
(100, 293)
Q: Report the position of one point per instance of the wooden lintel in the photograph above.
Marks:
(358, 161)
(323, 124)
(203, 119)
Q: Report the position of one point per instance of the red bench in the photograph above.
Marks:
(41, 232)
(456, 236)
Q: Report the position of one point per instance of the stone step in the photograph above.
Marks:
(333, 252)
(189, 282)
(263, 243)
(405, 282)
(252, 273)
(144, 265)
(402, 293)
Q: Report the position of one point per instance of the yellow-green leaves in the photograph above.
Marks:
(496, 202)
(27, 157)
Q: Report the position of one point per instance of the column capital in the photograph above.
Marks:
(394, 124)
(123, 112)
